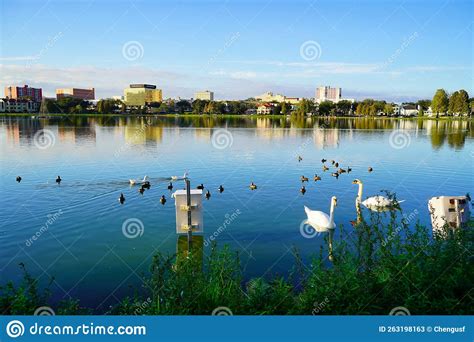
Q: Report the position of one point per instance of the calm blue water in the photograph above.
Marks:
(83, 245)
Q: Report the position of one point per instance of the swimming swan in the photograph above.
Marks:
(135, 181)
(320, 219)
(375, 202)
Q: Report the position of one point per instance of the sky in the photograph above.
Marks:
(393, 50)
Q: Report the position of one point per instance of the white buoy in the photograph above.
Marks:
(451, 211)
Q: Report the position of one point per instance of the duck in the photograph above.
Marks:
(221, 189)
(300, 158)
(208, 195)
(370, 169)
(323, 160)
(184, 176)
(349, 169)
(58, 180)
(341, 170)
(336, 165)
(141, 190)
(325, 168)
(317, 178)
(304, 179)
(163, 199)
(252, 186)
(146, 185)
(375, 203)
(135, 181)
(170, 186)
(121, 199)
(321, 219)
(333, 162)
(303, 190)
(18, 179)
(335, 174)
(200, 187)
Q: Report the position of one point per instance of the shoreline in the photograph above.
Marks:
(245, 116)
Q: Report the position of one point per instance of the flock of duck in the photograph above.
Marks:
(316, 218)
(321, 220)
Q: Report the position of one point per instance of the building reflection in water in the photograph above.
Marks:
(326, 132)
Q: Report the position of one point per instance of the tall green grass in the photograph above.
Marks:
(375, 266)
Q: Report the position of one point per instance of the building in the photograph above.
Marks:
(18, 106)
(326, 93)
(77, 93)
(406, 110)
(270, 97)
(24, 93)
(204, 95)
(264, 109)
(141, 94)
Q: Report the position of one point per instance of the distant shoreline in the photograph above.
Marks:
(247, 116)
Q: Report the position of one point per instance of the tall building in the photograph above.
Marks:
(270, 97)
(141, 94)
(204, 95)
(326, 93)
(77, 93)
(24, 93)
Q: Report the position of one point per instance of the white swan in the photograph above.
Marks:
(320, 219)
(377, 203)
(135, 181)
(185, 175)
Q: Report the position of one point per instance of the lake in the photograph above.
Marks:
(78, 232)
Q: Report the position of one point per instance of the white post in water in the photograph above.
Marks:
(188, 203)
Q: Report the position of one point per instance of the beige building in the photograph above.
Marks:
(77, 93)
(141, 94)
(204, 95)
(270, 97)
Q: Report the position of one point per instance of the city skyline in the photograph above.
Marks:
(398, 51)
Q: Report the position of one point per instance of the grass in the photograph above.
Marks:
(192, 115)
(376, 266)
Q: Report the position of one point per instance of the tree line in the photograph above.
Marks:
(456, 103)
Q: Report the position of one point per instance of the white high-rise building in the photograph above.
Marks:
(326, 93)
(204, 95)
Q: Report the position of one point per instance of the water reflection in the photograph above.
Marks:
(325, 132)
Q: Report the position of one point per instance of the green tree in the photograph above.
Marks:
(326, 108)
(440, 102)
(305, 106)
(388, 109)
(463, 102)
(453, 103)
(285, 108)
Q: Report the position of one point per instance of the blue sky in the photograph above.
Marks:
(397, 50)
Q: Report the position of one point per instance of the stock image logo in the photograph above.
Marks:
(399, 139)
(44, 139)
(15, 329)
(133, 228)
(310, 50)
(44, 311)
(399, 311)
(222, 139)
(222, 311)
(132, 50)
(307, 230)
